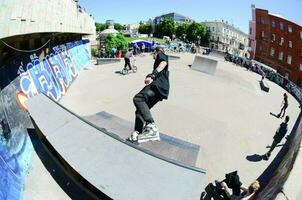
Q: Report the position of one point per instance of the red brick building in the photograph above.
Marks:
(276, 42)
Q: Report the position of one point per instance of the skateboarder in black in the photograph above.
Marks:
(285, 105)
(156, 89)
(280, 133)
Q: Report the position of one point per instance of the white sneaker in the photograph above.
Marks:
(134, 136)
(150, 132)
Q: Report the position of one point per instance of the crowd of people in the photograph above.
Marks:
(231, 188)
(267, 73)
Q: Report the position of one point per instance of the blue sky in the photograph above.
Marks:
(237, 12)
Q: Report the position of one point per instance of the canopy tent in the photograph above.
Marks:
(140, 43)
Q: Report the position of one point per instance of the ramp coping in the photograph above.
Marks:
(180, 164)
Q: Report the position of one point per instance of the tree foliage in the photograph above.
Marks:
(117, 41)
(197, 33)
(166, 27)
(99, 26)
(118, 27)
(145, 28)
(181, 29)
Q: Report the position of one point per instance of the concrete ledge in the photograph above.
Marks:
(204, 64)
(264, 85)
(172, 57)
(100, 61)
(117, 168)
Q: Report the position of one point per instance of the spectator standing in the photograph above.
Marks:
(280, 133)
(143, 48)
(284, 106)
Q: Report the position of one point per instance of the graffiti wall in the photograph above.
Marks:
(50, 71)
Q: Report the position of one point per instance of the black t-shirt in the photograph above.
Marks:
(162, 79)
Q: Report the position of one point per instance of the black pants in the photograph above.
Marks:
(283, 109)
(274, 144)
(127, 63)
(143, 102)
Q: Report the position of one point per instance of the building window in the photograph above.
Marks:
(301, 34)
(281, 41)
(273, 23)
(289, 60)
(251, 31)
(290, 44)
(280, 55)
(272, 51)
(262, 34)
(301, 52)
(273, 37)
(262, 20)
(213, 28)
(281, 25)
(300, 66)
(290, 28)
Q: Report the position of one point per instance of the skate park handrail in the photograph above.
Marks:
(166, 170)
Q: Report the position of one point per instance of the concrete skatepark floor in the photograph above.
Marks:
(226, 114)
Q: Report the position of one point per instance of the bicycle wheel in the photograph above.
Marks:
(124, 71)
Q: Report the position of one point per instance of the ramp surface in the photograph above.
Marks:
(120, 170)
(169, 147)
(205, 64)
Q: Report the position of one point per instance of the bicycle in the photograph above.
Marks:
(127, 70)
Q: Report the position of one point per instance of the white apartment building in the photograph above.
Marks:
(227, 38)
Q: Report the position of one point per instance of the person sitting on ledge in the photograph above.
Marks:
(230, 189)
(246, 193)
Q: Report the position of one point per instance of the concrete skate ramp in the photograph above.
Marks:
(205, 64)
(168, 146)
(117, 168)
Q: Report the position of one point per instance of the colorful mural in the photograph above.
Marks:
(50, 71)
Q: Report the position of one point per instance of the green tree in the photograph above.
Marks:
(118, 27)
(166, 27)
(99, 26)
(204, 41)
(118, 41)
(121, 42)
(196, 30)
(145, 28)
(181, 29)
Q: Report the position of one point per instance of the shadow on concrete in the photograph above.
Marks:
(70, 186)
(254, 158)
(119, 72)
(279, 145)
(277, 116)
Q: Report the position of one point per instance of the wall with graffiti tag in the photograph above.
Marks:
(50, 71)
